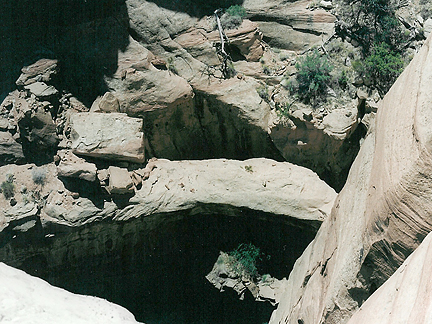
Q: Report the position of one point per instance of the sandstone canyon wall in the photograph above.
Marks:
(381, 215)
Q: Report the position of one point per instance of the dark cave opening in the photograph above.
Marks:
(155, 266)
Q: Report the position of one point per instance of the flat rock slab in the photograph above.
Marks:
(261, 184)
(41, 89)
(27, 299)
(112, 136)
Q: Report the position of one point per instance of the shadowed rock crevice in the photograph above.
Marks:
(155, 266)
(85, 36)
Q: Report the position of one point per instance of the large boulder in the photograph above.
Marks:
(108, 136)
(71, 166)
(43, 70)
(28, 299)
(381, 215)
(141, 87)
(246, 39)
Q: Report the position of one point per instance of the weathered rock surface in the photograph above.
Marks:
(381, 215)
(140, 87)
(108, 136)
(120, 181)
(41, 89)
(269, 186)
(326, 145)
(290, 25)
(27, 299)
(10, 150)
(247, 39)
(42, 70)
(72, 166)
(258, 184)
(404, 297)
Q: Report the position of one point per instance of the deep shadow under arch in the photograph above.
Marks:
(84, 35)
(196, 8)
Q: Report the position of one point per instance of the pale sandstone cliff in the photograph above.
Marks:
(381, 215)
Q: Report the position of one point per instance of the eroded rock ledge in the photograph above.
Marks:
(164, 186)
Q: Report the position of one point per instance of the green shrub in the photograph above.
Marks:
(267, 70)
(263, 93)
(39, 175)
(426, 9)
(233, 17)
(371, 21)
(343, 80)
(382, 67)
(236, 10)
(245, 258)
(7, 187)
(171, 65)
(248, 168)
(313, 75)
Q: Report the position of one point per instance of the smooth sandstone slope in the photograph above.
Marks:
(381, 215)
(405, 297)
(29, 300)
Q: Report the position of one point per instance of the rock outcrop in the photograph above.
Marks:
(381, 215)
(71, 221)
(112, 136)
(226, 274)
(290, 25)
(27, 299)
(404, 297)
(326, 143)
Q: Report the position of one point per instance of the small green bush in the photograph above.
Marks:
(171, 65)
(246, 257)
(313, 75)
(248, 168)
(236, 10)
(343, 80)
(267, 70)
(233, 17)
(382, 67)
(7, 187)
(263, 92)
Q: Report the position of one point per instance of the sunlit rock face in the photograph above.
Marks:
(381, 215)
(28, 299)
